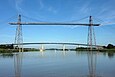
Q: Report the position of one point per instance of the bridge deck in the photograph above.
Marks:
(53, 43)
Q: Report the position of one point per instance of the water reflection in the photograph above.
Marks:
(92, 57)
(18, 63)
(92, 62)
(7, 55)
(53, 62)
(42, 53)
(110, 54)
(64, 52)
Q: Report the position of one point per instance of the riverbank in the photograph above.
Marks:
(8, 50)
(100, 50)
(107, 50)
(16, 50)
(30, 49)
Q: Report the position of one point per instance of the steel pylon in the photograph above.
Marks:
(18, 36)
(91, 41)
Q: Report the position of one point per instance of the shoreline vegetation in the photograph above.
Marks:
(79, 49)
(10, 49)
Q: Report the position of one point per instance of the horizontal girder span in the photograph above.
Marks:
(53, 43)
(50, 23)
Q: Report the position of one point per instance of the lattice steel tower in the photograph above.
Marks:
(91, 41)
(18, 36)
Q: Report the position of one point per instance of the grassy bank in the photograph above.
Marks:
(100, 50)
(107, 50)
(15, 50)
(28, 50)
(8, 50)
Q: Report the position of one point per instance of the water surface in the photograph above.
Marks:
(55, 64)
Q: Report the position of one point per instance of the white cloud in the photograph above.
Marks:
(18, 4)
(41, 4)
(53, 10)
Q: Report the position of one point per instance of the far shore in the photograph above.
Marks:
(30, 50)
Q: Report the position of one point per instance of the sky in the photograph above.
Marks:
(102, 12)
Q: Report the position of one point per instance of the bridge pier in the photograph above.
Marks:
(78, 46)
(64, 51)
(42, 48)
(63, 47)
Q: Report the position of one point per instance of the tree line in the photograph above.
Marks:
(109, 46)
(6, 46)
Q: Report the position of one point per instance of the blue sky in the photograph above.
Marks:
(103, 12)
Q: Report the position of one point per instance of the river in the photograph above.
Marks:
(57, 64)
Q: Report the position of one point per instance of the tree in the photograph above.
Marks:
(104, 47)
(6, 46)
(110, 46)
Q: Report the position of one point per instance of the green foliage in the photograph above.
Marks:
(6, 46)
(110, 46)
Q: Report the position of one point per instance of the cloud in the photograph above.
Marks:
(18, 4)
(85, 8)
(41, 4)
(51, 9)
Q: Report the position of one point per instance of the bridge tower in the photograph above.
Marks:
(18, 36)
(91, 34)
